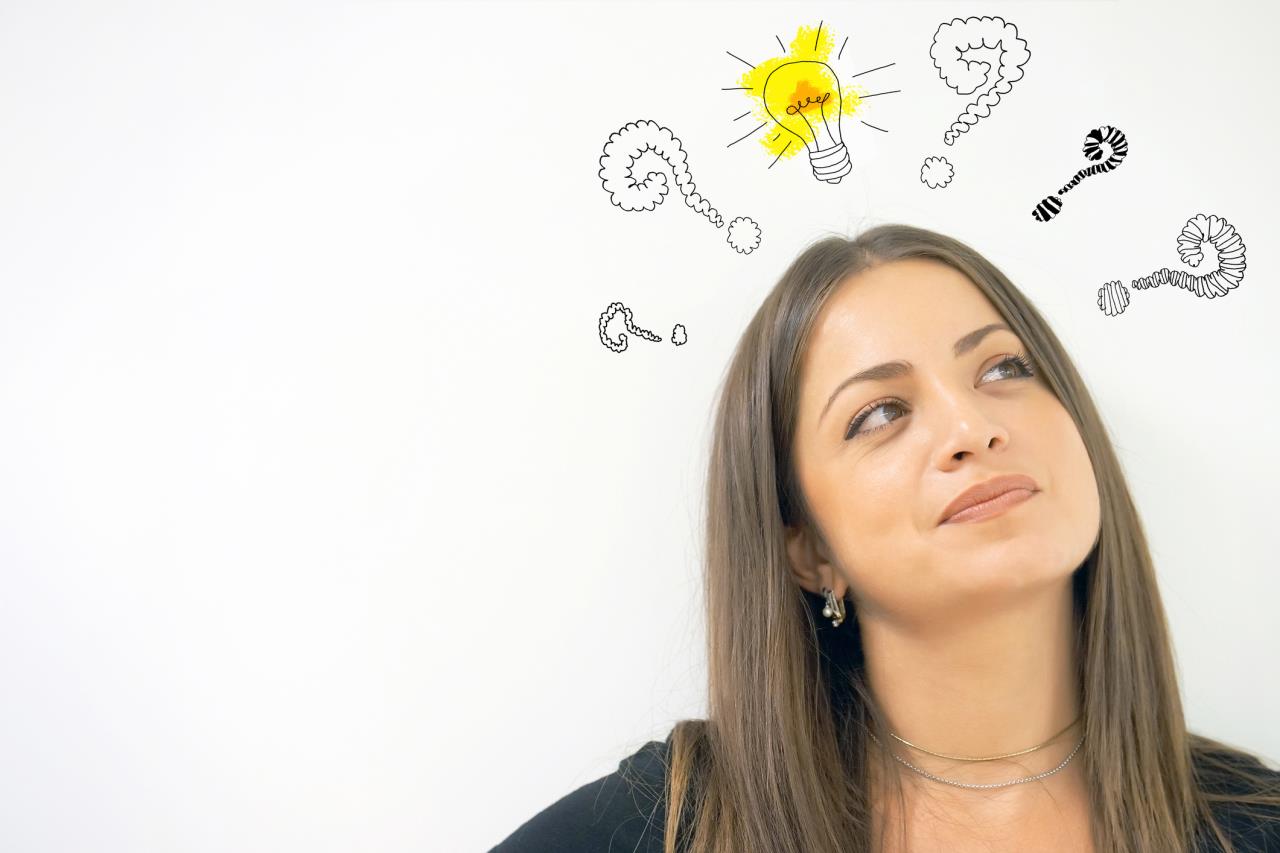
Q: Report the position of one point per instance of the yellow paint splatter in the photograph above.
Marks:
(795, 92)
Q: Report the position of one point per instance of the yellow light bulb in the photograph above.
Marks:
(803, 97)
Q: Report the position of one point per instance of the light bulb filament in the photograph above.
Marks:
(794, 109)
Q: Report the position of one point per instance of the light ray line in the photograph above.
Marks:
(740, 138)
(869, 70)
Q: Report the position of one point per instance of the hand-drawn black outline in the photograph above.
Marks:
(620, 345)
(936, 172)
(831, 163)
(626, 145)
(744, 235)
(955, 38)
(958, 36)
(1113, 297)
(1105, 140)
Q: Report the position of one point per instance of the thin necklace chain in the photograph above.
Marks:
(994, 757)
(995, 785)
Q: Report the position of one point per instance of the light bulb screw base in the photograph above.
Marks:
(830, 164)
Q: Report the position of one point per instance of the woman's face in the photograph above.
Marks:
(878, 485)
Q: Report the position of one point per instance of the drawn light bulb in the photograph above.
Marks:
(804, 98)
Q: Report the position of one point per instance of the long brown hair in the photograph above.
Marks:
(782, 763)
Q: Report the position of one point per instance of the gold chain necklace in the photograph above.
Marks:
(994, 757)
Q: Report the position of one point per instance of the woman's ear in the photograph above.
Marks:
(810, 567)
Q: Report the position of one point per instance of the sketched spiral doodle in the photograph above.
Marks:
(959, 36)
(1113, 298)
(1105, 141)
(625, 146)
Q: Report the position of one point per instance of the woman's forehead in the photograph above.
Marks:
(900, 309)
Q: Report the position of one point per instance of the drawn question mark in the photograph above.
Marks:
(1113, 297)
(1104, 141)
(950, 44)
(618, 162)
(678, 334)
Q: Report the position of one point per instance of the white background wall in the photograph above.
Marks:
(326, 521)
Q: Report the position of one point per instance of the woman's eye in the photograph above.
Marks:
(866, 414)
(1020, 364)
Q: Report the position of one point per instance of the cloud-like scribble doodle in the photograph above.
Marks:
(936, 172)
(1105, 141)
(620, 162)
(1113, 297)
(744, 235)
(952, 43)
(620, 345)
(679, 336)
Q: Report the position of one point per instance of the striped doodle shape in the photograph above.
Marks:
(1105, 141)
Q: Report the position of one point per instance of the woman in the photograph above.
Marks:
(889, 674)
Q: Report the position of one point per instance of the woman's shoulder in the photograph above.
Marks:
(1244, 796)
(622, 811)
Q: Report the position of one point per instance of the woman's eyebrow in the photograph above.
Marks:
(902, 367)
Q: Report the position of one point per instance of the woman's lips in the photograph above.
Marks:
(991, 508)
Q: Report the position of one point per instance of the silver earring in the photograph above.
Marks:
(834, 609)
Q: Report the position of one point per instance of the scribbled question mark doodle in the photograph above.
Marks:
(620, 345)
(1113, 297)
(1105, 141)
(950, 44)
(618, 165)
(679, 335)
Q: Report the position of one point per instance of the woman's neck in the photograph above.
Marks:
(986, 679)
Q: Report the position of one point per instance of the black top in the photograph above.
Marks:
(625, 812)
